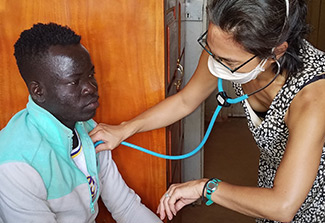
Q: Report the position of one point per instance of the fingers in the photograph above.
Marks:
(179, 195)
(104, 146)
(100, 148)
(98, 132)
(171, 201)
(107, 134)
(168, 202)
(164, 207)
(179, 205)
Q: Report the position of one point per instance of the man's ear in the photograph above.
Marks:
(36, 91)
(280, 50)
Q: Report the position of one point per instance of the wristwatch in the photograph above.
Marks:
(211, 186)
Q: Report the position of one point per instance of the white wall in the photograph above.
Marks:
(195, 25)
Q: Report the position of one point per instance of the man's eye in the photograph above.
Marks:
(91, 75)
(73, 82)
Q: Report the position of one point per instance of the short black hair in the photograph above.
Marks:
(34, 43)
(261, 25)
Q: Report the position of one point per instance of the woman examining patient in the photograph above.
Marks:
(260, 46)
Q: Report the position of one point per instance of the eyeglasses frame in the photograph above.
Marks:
(200, 40)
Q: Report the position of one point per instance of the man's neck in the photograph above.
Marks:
(74, 139)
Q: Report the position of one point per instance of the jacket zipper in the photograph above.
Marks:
(92, 203)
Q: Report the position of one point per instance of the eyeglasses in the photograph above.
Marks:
(203, 43)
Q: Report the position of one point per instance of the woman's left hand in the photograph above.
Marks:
(179, 195)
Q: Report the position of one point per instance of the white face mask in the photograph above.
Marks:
(222, 72)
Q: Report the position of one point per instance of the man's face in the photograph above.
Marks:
(70, 88)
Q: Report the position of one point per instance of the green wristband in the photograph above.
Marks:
(211, 186)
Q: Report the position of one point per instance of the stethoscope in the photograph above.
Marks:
(223, 101)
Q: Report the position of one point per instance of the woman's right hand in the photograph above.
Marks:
(165, 113)
(111, 135)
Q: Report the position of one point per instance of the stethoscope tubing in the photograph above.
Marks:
(205, 138)
(223, 101)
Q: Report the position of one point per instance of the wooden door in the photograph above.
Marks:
(174, 74)
(316, 18)
(125, 39)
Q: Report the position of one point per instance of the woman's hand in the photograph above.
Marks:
(179, 195)
(111, 135)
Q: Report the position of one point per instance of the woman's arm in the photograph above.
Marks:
(164, 113)
(294, 177)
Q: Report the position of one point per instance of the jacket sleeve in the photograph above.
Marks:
(23, 195)
(121, 201)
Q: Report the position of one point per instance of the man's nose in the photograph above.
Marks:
(89, 87)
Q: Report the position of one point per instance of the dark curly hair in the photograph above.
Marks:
(34, 43)
(261, 25)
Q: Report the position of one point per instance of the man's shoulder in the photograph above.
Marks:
(18, 139)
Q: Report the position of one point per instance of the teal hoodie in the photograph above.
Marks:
(41, 182)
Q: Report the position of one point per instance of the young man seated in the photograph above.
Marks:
(48, 165)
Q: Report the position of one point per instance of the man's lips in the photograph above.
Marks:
(93, 103)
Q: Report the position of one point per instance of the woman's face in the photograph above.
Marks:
(231, 53)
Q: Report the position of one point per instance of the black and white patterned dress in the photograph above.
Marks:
(271, 135)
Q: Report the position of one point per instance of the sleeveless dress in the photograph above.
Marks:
(271, 135)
